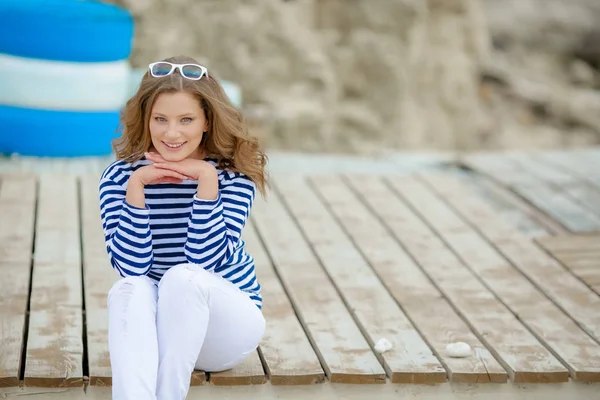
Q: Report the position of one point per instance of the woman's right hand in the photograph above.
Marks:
(150, 175)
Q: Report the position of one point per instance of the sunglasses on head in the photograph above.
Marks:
(188, 71)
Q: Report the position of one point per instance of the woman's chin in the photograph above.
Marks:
(174, 156)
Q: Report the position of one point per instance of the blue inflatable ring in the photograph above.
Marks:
(65, 30)
(43, 133)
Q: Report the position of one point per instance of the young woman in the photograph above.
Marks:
(173, 208)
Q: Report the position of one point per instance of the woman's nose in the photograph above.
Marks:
(171, 132)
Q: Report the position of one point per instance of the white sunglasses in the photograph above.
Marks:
(188, 71)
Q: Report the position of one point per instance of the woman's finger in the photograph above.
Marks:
(168, 179)
(173, 174)
(171, 166)
(154, 157)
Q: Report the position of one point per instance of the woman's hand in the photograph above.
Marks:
(199, 170)
(195, 169)
(151, 175)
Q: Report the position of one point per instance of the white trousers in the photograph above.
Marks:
(157, 336)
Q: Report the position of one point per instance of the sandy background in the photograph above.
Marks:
(370, 76)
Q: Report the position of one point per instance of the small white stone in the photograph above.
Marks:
(383, 345)
(458, 349)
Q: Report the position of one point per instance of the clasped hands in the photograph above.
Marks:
(162, 171)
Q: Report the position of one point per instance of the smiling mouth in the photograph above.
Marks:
(174, 145)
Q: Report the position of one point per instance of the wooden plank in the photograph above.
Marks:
(570, 243)
(586, 195)
(580, 254)
(344, 353)
(375, 311)
(500, 168)
(198, 378)
(580, 265)
(524, 358)
(288, 356)
(17, 213)
(544, 172)
(565, 290)
(541, 184)
(248, 372)
(561, 180)
(583, 260)
(574, 162)
(522, 218)
(571, 345)
(409, 286)
(539, 217)
(54, 347)
(591, 277)
(99, 276)
(561, 207)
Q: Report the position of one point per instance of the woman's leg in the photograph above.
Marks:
(203, 322)
(132, 338)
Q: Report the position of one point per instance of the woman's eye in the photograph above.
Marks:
(160, 119)
(186, 120)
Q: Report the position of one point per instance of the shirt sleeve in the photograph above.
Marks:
(126, 231)
(215, 226)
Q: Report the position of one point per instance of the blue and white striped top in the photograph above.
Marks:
(176, 227)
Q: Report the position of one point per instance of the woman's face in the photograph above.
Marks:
(177, 124)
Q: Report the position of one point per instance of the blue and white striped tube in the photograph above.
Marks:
(62, 85)
(64, 76)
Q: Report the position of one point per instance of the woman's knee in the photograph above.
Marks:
(185, 277)
(132, 286)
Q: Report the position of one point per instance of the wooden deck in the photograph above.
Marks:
(501, 252)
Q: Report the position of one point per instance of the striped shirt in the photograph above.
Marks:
(177, 227)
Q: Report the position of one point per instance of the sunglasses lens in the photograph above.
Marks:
(161, 69)
(192, 71)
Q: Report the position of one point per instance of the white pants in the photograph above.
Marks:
(157, 336)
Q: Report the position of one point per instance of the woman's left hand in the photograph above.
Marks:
(195, 169)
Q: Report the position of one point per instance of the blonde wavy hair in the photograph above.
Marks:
(226, 140)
